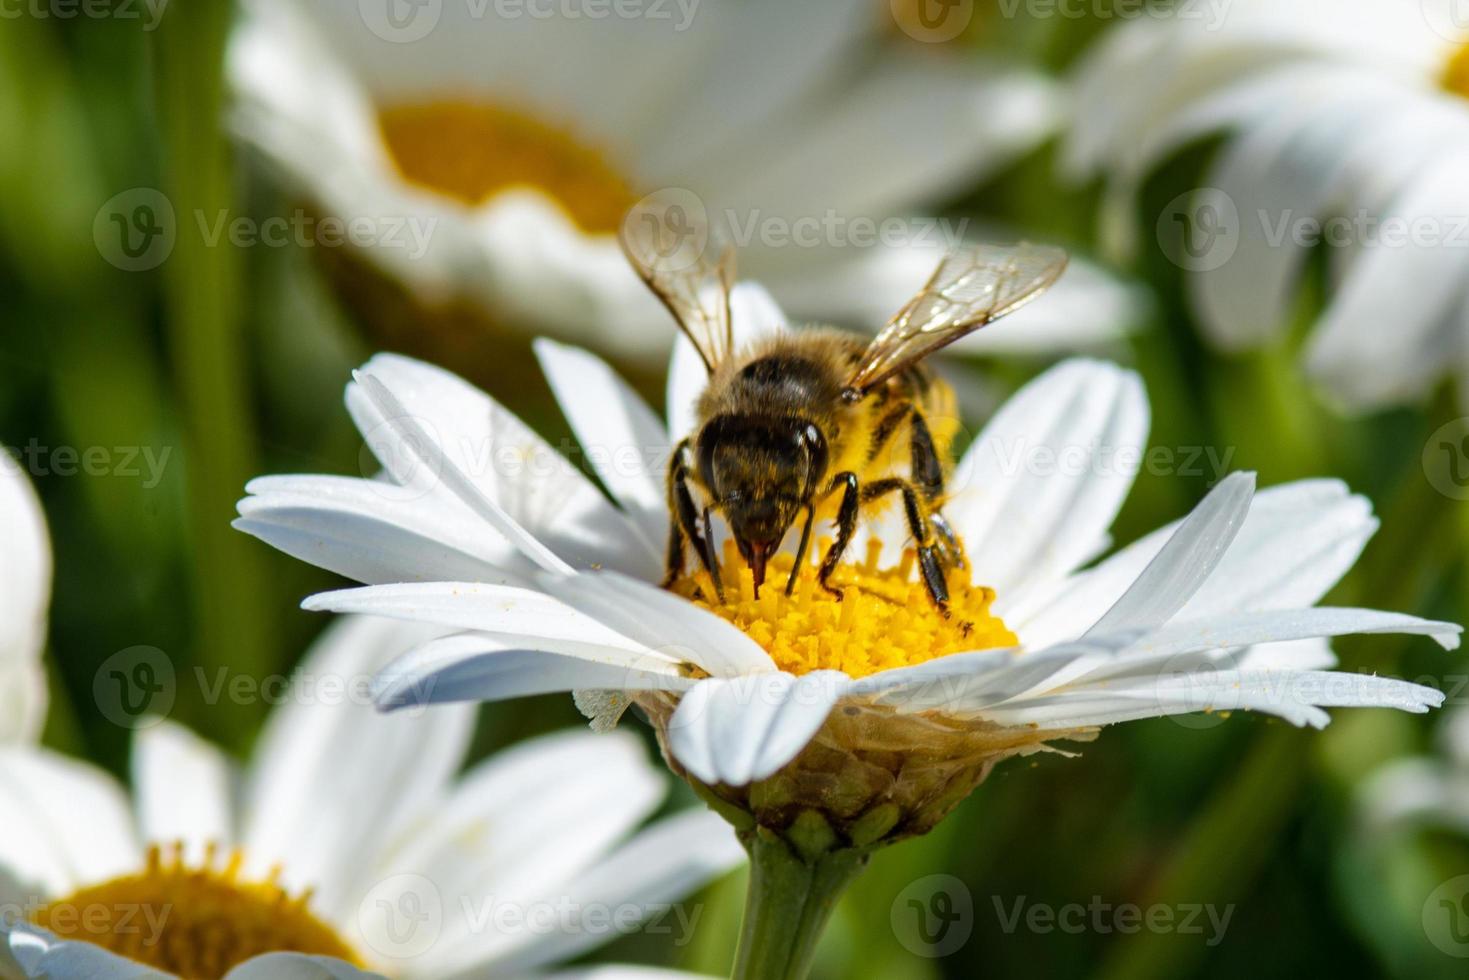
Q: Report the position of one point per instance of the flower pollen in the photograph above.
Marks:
(885, 618)
(1456, 73)
(197, 923)
(471, 151)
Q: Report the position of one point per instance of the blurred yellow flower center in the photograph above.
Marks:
(471, 151)
(1456, 75)
(885, 618)
(197, 923)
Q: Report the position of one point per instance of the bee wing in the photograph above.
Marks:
(973, 286)
(666, 248)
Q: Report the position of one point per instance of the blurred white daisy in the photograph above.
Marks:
(486, 153)
(25, 595)
(351, 841)
(1348, 124)
(483, 527)
(1428, 791)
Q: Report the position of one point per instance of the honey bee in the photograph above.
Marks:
(796, 419)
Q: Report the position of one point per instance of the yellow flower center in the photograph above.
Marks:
(471, 151)
(193, 922)
(884, 619)
(1456, 73)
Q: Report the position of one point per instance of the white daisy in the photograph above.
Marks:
(25, 594)
(492, 152)
(481, 526)
(1424, 791)
(1351, 113)
(350, 841)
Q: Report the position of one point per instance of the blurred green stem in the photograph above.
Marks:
(1220, 856)
(790, 901)
(203, 298)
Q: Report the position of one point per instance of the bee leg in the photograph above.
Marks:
(951, 552)
(801, 551)
(929, 564)
(928, 469)
(685, 525)
(711, 562)
(928, 474)
(846, 524)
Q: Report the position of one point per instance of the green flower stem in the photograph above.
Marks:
(208, 349)
(790, 901)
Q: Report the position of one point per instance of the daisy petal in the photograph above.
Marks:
(25, 575)
(1297, 542)
(1415, 286)
(496, 609)
(41, 955)
(1186, 561)
(373, 531)
(662, 622)
(331, 778)
(66, 823)
(416, 442)
(182, 789)
(520, 826)
(298, 966)
(623, 439)
(742, 729)
(1035, 495)
(660, 865)
(477, 667)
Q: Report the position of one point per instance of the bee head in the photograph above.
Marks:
(761, 473)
